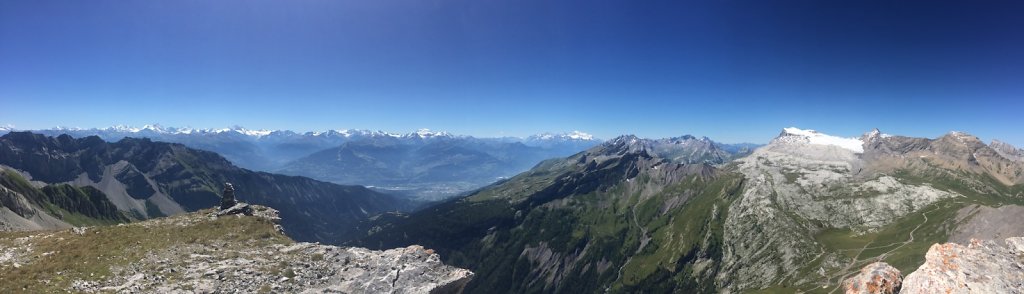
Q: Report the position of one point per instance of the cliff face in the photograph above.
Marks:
(205, 253)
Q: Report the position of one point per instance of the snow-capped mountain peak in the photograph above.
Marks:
(577, 135)
(348, 133)
(154, 128)
(117, 128)
(814, 137)
(254, 133)
(875, 134)
(574, 135)
(427, 133)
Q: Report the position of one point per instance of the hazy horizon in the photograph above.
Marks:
(401, 132)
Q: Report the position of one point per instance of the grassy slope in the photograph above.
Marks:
(483, 233)
(60, 257)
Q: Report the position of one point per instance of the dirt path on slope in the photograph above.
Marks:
(644, 239)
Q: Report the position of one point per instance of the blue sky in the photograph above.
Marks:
(731, 70)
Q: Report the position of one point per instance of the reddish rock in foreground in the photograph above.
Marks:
(878, 277)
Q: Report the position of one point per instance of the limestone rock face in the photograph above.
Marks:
(878, 277)
(979, 267)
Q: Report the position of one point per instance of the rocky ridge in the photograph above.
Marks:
(146, 179)
(1007, 150)
(240, 250)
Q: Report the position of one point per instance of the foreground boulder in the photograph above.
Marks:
(878, 277)
(238, 251)
(979, 267)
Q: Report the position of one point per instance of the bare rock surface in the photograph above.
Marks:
(1008, 151)
(978, 267)
(988, 223)
(878, 277)
(296, 268)
(229, 262)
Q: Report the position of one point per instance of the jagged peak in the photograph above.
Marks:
(1007, 150)
(427, 133)
(873, 135)
(625, 144)
(688, 138)
(683, 138)
(624, 139)
(962, 137)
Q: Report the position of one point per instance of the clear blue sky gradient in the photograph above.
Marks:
(732, 70)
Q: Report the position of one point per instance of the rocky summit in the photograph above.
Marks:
(237, 250)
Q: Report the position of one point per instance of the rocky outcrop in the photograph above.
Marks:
(878, 277)
(979, 267)
(238, 208)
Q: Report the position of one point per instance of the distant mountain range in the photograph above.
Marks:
(262, 150)
(424, 164)
(52, 182)
(800, 214)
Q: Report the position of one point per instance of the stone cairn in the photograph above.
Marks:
(228, 199)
